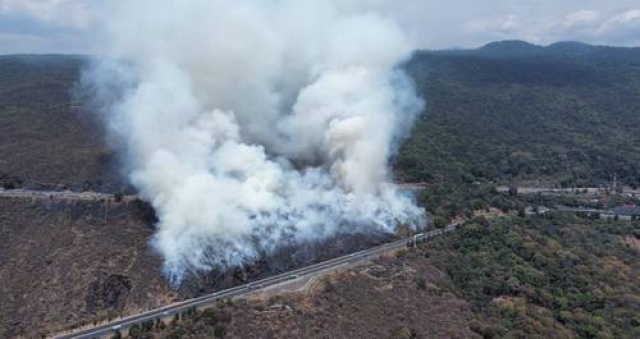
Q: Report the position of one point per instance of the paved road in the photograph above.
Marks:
(92, 196)
(535, 190)
(209, 299)
(122, 324)
(64, 195)
(412, 186)
(548, 190)
(584, 210)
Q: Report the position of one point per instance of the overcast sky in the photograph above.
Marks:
(72, 26)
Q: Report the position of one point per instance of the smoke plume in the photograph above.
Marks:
(252, 124)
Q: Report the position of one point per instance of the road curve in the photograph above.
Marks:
(124, 323)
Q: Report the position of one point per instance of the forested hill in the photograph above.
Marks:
(566, 114)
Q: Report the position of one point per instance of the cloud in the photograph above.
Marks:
(623, 27)
(582, 17)
(50, 26)
(428, 23)
(628, 18)
(598, 27)
(25, 43)
(69, 13)
(618, 28)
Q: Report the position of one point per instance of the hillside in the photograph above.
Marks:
(566, 115)
(45, 138)
(68, 264)
(71, 263)
(552, 277)
(508, 113)
(558, 277)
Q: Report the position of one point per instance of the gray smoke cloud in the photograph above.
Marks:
(252, 124)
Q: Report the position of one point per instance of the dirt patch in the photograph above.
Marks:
(632, 242)
(491, 213)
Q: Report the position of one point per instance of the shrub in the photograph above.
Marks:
(220, 331)
(439, 222)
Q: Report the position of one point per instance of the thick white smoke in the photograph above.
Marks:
(252, 124)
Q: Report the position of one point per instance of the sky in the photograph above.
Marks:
(73, 26)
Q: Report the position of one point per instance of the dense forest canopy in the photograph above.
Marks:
(510, 112)
(567, 114)
(552, 277)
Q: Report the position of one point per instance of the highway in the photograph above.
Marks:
(573, 190)
(412, 186)
(94, 196)
(584, 210)
(255, 286)
(61, 195)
